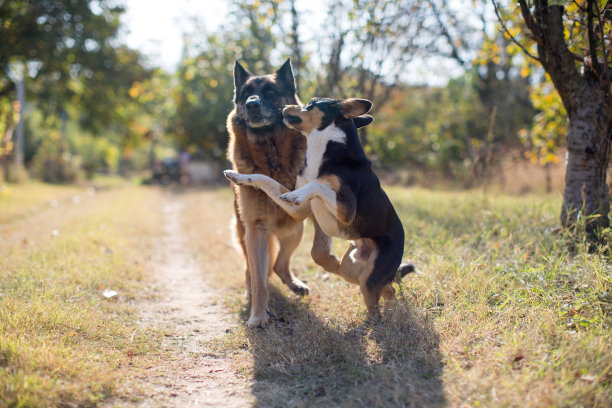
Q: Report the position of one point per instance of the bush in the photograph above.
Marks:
(53, 162)
(96, 154)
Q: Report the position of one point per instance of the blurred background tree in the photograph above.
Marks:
(76, 70)
(95, 105)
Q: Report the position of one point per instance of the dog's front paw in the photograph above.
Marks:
(240, 179)
(292, 198)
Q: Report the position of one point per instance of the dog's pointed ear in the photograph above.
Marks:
(285, 74)
(353, 107)
(240, 75)
(363, 120)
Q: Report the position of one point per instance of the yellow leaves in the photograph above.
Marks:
(550, 158)
(55, 135)
(548, 128)
(190, 73)
(135, 90)
(525, 71)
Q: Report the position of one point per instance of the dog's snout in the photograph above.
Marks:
(289, 108)
(253, 103)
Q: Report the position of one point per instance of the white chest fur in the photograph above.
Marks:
(315, 149)
(323, 209)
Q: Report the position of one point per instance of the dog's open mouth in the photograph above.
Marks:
(257, 121)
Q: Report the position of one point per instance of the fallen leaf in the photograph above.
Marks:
(588, 378)
(109, 293)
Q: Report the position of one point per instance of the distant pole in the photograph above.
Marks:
(64, 119)
(20, 125)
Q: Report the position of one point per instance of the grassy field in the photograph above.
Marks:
(62, 342)
(504, 311)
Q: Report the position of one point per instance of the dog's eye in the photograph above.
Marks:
(247, 91)
(270, 92)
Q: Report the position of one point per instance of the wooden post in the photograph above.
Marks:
(21, 124)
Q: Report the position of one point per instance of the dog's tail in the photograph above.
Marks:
(405, 268)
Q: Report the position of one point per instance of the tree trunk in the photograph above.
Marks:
(587, 101)
(588, 147)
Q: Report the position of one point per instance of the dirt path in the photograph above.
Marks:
(190, 316)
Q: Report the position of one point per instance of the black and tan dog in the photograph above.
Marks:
(261, 143)
(337, 185)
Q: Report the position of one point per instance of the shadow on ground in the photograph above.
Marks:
(301, 360)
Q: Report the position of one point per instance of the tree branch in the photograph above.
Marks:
(579, 6)
(535, 29)
(514, 40)
(454, 51)
(592, 39)
(559, 61)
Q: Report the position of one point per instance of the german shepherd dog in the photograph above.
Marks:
(337, 186)
(261, 143)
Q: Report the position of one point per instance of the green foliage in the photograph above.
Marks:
(255, 35)
(75, 67)
(53, 163)
(96, 154)
(446, 129)
(202, 99)
(547, 132)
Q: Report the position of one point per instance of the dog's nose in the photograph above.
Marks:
(253, 103)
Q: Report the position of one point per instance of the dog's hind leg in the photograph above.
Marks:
(321, 249)
(377, 282)
(388, 294)
(239, 231)
(356, 267)
(256, 238)
(288, 242)
(273, 250)
(371, 298)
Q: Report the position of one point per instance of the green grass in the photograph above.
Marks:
(504, 312)
(62, 343)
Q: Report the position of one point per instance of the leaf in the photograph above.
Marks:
(109, 293)
(588, 378)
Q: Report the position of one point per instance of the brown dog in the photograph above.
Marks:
(261, 143)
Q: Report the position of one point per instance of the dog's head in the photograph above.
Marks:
(319, 113)
(260, 100)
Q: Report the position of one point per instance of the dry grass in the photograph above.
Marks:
(62, 343)
(503, 313)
